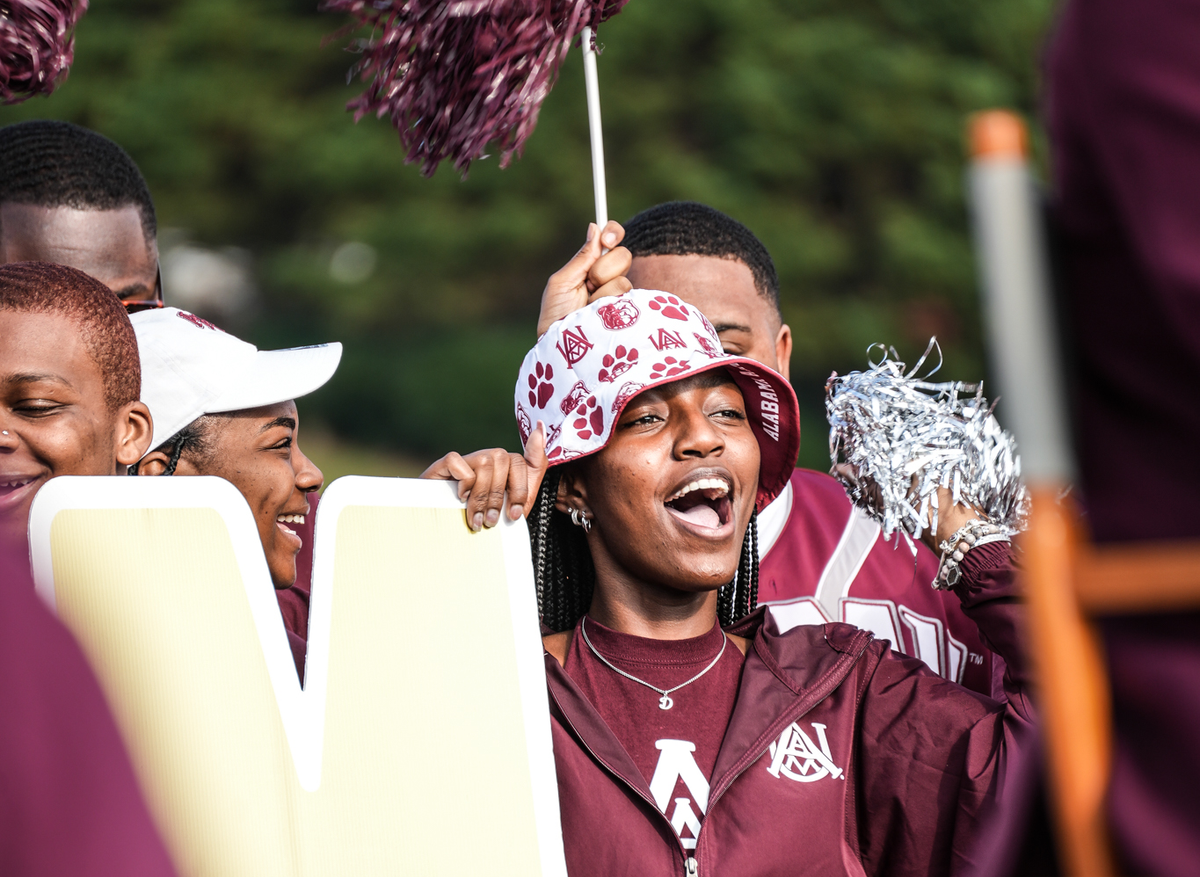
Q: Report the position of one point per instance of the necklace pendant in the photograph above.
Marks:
(665, 702)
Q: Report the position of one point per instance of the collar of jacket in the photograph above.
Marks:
(785, 676)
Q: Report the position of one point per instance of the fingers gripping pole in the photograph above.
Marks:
(592, 83)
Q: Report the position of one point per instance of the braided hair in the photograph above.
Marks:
(192, 440)
(565, 577)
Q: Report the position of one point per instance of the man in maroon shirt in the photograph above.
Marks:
(822, 560)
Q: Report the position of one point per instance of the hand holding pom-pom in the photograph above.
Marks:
(921, 457)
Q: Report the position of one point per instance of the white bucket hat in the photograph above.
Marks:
(589, 364)
(191, 368)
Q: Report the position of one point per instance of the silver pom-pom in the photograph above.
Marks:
(895, 438)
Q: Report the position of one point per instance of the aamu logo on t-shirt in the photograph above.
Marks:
(679, 788)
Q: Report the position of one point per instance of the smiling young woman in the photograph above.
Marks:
(223, 407)
(691, 735)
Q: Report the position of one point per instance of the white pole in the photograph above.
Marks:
(592, 83)
(1015, 277)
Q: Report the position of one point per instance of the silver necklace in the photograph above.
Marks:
(665, 702)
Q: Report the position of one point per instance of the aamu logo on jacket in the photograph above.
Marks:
(795, 756)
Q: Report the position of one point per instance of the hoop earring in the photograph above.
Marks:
(580, 519)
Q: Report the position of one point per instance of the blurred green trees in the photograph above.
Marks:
(834, 130)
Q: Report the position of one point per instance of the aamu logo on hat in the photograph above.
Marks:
(191, 367)
(588, 365)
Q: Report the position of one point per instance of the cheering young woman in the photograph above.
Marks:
(691, 734)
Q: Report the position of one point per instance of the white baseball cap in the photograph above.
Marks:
(191, 368)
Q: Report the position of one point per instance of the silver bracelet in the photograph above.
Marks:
(970, 535)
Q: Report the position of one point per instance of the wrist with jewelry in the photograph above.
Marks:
(971, 535)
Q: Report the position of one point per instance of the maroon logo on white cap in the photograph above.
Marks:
(573, 398)
(590, 419)
(666, 340)
(574, 345)
(523, 423)
(668, 368)
(621, 314)
(707, 346)
(617, 363)
(540, 388)
(198, 322)
(626, 393)
(670, 307)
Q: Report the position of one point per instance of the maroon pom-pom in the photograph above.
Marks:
(37, 45)
(455, 75)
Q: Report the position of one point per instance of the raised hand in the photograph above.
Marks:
(597, 270)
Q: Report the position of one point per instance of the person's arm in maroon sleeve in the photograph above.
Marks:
(69, 801)
(990, 597)
(932, 753)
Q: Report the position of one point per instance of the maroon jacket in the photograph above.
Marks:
(841, 757)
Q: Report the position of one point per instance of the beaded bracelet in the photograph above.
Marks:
(970, 535)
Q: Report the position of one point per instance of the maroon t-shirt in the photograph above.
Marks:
(831, 563)
(675, 749)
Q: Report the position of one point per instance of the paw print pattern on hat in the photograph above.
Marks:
(590, 364)
(670, 307)
(540, 388)
(590, 420)
(668, 368)
(617, 363)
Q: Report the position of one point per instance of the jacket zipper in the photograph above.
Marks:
(691, 869)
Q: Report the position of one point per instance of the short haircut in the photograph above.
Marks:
(57, 164)
(45, 288)
(686, 228)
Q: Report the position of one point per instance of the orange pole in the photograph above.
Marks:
(1073, 692)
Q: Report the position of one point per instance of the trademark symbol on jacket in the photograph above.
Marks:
(795, 756)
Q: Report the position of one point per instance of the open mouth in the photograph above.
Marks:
(281, 521)
(12, 485)
(702, 503)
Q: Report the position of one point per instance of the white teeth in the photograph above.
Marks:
(290, 519)
(720, 485)
(16, 482)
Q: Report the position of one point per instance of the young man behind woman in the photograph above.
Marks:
(821, 558)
